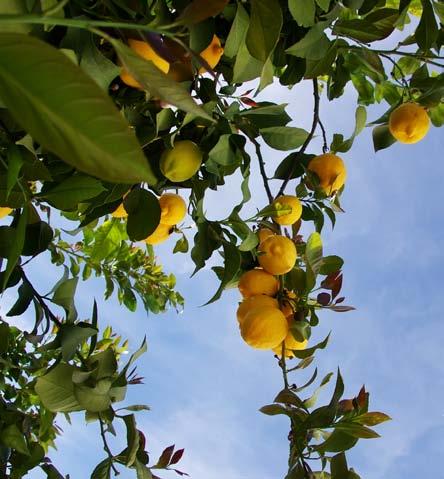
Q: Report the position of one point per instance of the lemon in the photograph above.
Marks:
(291, 217)
(173, 209)
(330, 170)
(278, 254)
(212, 54)
(409, 123)
(181, 162)
(144, 50)
(159, 235)
(4, 210)
(264, 233)
(264, 327)
(252, 302)
(120, 212)
(258, 281)
(290, 342)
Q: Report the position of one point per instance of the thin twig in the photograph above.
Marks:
(106, 447)
(324, 136)
(262, 168)
(309, 137)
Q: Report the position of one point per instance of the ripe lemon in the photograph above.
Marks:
(120, 212)
(181, 162)
(212, 54)
(145, 50)
(330, 170)
(264, 233)
(291, 343)
(291, 217)
(173, 209)
(264, 327)
(409, 123)
(4, 210)
(159, 235)
(258, 281)
(254, 302)
(278, 255)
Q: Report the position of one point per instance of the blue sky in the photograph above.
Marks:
(205, 385)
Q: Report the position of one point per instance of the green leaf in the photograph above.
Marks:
(102, 470)
(382, 138)
(305, 353)
(303, 11)
(427, 31)
(67, 194)
(376, 26)
(360, 121)
(15, 162)
(107, 241)
(199, 10)
(356, 430)
(264, 29)
(14, 7)
(246, 67)
(274, 410)
(311, 401)
(26, 294)
(181, 246)
(56, 389)
(96, 398)
(324, 4)
(313, 252)
(12, 437)
(72, 336)
(143, 210)
(339, 390)
(232, 264)
(372, 418)
(132, 439)
(142, 471)
(237, 32)
(157, 82)
(331, 264)
(64, 296)
(17, 247)
(67, 112)
(284, 137)
(313, 45)
(338, 441)
(267, 116)
(339, 467)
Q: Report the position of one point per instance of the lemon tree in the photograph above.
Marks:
(118, 119)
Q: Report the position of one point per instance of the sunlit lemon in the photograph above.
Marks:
(257, 281)
(181, 162)
(330, 170)
(173, 209)
(409, 123)
(252, 302)
(293, 215)
(4, 211)
(212, 54)
(277, 254)
(159, 235)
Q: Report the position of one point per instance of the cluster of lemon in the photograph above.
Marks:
(172, 211)
(179, 70)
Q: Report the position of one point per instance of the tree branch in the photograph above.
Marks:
(106, 447)
(262, 168)
(309, 137)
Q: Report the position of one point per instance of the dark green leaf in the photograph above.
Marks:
(132, 439)
(313, 45)
(199, 10)
(237, 33)
(264, 29)
(12, 437)
(274, 410)
(26, 294)
(331, 264)
(72, 336)
(427, 31)
(64, 296)
(284, 137)
(339, 467)
(382, 138)
(143, 214)
(38, 236)
(102, 470)
(303, 11)
(67, 112)
(305, 353)
(360, 121)
(15, 162)
(337, 442)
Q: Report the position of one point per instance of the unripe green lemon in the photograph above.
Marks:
(181, 162)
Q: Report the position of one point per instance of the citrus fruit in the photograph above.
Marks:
(159, 235)
(291, 343)
(264, 233)
(291, 217)
(278, 254)
(252, 302)
(409, 123)
(144, 50)
(173, 209)
(212, 54)
(330, 170)
(181, 162)
(120, 212)
(4, 210)
(258, 281)
(264, 327)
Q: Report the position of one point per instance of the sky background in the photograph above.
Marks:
(205, 385)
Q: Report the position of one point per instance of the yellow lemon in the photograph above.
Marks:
(409, 123)
(212, 54)
(119, 212)
(291, 343)
(254, 302)
(173, 209)
(330, 170)
(159, 235)
(258, 281)
(264, 327)
(4, 210)
(291, 217)
(278, 255)
(181, 162)
(264, 233)
(144, 50)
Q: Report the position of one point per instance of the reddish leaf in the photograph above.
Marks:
(340, 300)
(248, 101)
(323, 298)
(362, 398)
(330, 280)
(346, 405)
(337, 285)
(247, 92)
(165, 457)
(177, 456)
(181, 473)
(342, 309)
